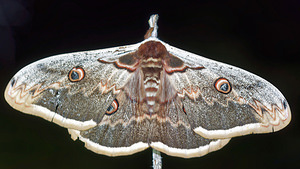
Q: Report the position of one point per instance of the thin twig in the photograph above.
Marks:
(157, 160)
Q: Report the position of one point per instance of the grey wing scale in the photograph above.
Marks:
(253, 106)
(123, 133)
(44, 89)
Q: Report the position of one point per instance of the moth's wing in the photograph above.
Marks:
(125, 129)
(172, 134)
(129, 130)
(124, 132)
(252, 106)
(44, 88)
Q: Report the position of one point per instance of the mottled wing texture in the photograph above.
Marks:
(125, 132)
(129, 131)
(123, 100)
(44, 88)
(251, 105)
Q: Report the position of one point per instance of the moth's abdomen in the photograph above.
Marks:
(151, 54)
(151, 84)
(151, 71)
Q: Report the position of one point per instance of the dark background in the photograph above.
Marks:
(259, 36)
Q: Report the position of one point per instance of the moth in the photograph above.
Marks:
(122, 100)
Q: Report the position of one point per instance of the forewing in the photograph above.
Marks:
(252, 105)
(73, 90)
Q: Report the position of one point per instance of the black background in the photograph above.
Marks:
(259, 36)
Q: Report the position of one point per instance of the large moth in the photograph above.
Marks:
(122, 100)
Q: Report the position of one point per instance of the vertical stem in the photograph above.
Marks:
(157, 162)
(153, 24)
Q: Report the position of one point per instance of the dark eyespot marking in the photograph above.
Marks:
(76, 74)
(112, 108)
(222, 85)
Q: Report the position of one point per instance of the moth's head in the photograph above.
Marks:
(152, 49)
